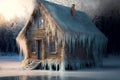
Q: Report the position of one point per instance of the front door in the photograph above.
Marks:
(39, 48)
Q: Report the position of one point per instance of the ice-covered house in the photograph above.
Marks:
(60, 38)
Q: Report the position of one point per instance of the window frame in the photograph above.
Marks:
(55, 46)
(41, 23)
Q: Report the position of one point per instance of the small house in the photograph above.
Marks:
(61, 38)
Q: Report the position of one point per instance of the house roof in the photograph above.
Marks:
(79, 23)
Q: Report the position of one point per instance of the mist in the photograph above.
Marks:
(16, 8)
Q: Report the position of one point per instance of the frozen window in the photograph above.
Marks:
(41, 22)
(52, 46)
(33, 47)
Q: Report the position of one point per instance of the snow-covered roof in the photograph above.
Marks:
(79, 23)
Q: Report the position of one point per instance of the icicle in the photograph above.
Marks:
(62, 66)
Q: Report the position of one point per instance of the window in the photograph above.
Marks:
(52, 46)
(33, 47)
(41, 23)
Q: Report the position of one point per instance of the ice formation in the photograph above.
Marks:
(22, 42)
(78, 29)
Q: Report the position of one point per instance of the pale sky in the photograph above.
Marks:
(19, 8)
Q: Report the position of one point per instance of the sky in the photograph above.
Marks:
(23, 8)
(16, 8)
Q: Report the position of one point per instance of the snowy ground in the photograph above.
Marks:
(10, 62)
(10, 70)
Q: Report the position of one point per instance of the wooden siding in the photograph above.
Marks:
(36, 33)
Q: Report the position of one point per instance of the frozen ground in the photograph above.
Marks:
(10, 62)
(10, 70)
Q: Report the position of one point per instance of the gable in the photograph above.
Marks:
(35, 21)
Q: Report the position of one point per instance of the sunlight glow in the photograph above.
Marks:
(15, 8)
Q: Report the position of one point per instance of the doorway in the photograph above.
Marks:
(39, 48)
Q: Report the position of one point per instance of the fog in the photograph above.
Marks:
(16, 8)
(23, 8)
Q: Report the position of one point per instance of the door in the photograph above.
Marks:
(39, 48)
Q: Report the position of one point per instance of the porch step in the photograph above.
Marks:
(33, 65)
